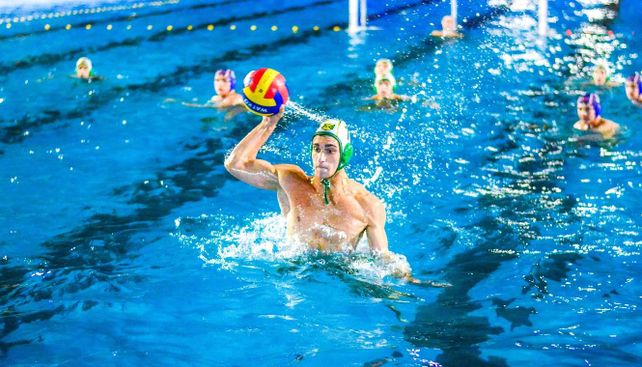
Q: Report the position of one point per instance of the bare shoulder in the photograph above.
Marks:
(611, 124)
(579, 125)
(611, 129)
(290, 171)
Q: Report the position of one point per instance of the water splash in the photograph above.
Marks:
(229, 245)
(222, 242)
(299, 111)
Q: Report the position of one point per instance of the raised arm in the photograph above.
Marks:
(242, 162)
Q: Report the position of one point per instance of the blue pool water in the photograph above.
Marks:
(125, 242)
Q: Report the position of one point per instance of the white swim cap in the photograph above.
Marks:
(338, 130)
(84, 61)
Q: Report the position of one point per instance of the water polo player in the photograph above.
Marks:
(84, 69)
(384, 87)
(448, 28)
(327, 210)
(589, 112)
(224, 84)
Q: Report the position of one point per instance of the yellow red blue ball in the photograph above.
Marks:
(265, 91)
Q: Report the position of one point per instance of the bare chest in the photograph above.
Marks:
(326, 227)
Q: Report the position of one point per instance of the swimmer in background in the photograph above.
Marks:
(328, 211)
(384, 86)
(226, 96)
(224, 84)
(383, 70)
(383, 67)
(84, 70)
(386, 98)
(589, 112)
(448, 28)
(601, 77)
(633, 89)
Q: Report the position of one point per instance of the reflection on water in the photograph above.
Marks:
(99, 252)
(534, 220)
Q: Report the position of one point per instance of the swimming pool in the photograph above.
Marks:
(125, 242)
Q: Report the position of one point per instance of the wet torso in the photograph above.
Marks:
(336, 226)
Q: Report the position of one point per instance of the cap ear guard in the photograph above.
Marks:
(594, 101)
(348, 151)
(346, 154)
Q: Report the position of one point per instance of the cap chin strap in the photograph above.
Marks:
(326, 184)
(326, 190)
